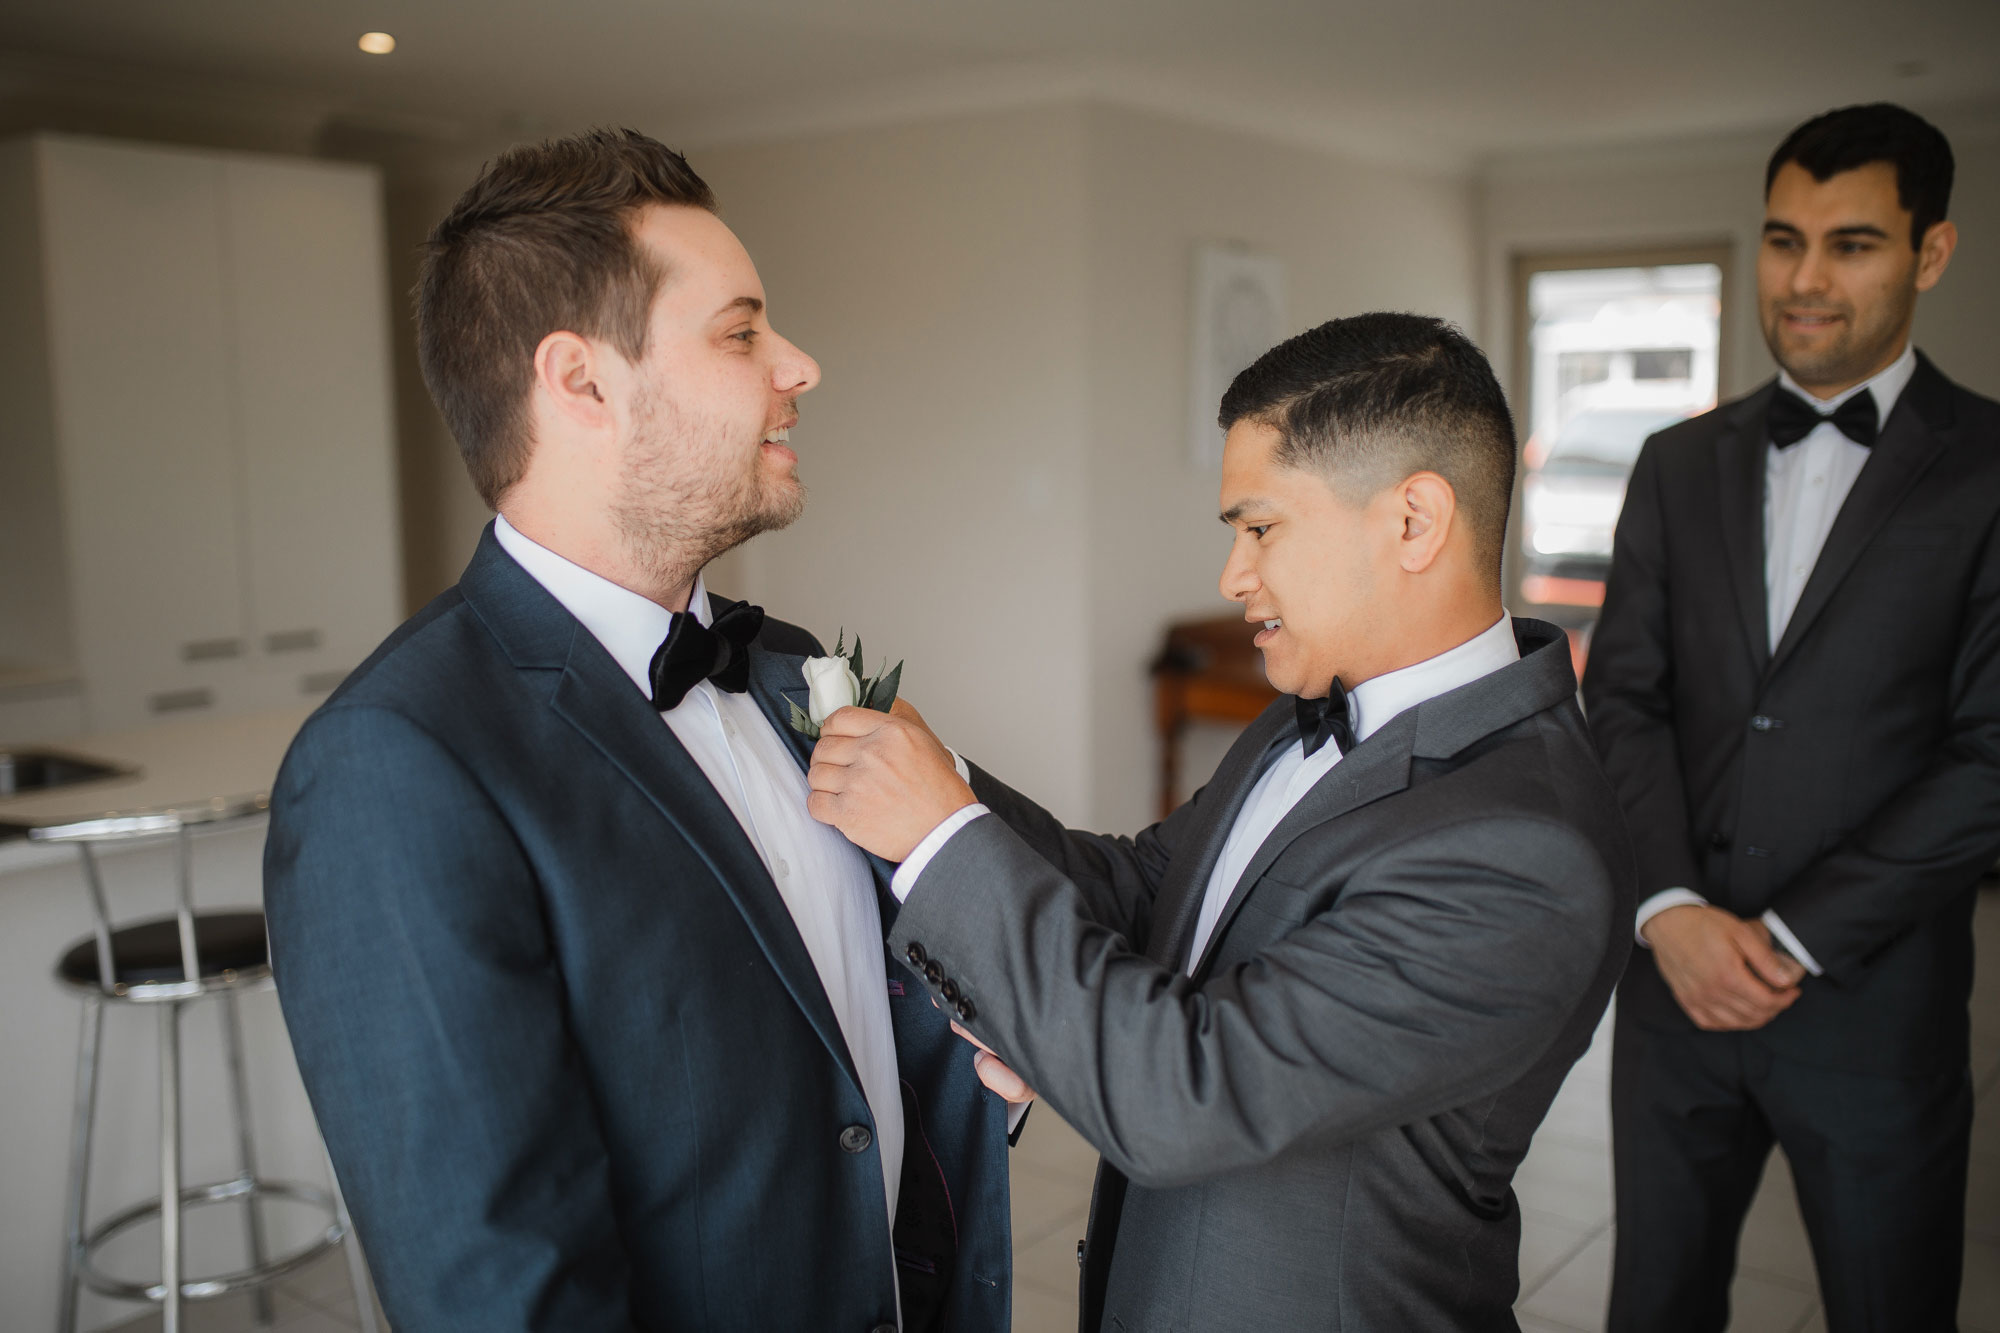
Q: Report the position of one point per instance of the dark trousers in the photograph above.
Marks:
(1879, 1162)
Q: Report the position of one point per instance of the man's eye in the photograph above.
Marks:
(745, 335)
(1258, 530)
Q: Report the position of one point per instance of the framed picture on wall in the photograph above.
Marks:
(1239, 314)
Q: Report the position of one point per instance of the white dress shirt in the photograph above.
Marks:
(1289, 773)
(825, 881)
(1804, 488)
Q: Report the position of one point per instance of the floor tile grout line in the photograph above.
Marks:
(1523, 1297)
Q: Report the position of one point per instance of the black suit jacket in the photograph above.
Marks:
(1319, 1127)
(1848, 777)
(572, 1061)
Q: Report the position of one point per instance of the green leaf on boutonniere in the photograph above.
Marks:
(854, 662)
(802, 722)
(882, 693)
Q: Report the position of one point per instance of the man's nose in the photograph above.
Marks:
(1809, 277)
(1239, 580)
(795, 372)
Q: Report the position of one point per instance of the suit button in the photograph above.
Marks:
(1079, 1254)
(855, 1138)
(966, 1013)
(1763, 723)
(915, 953)
(950, 991)
(1717, 843)
(933, 972)
(883, 1328)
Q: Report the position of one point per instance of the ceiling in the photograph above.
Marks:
(1442, 81)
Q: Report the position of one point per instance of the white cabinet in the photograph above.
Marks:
(218, 377)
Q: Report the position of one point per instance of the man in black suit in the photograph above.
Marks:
(597, 1021)
(1313, 1017)
(1795, 685)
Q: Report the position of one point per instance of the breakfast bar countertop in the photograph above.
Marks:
(174, 765)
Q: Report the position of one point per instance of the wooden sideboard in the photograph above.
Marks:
(1206, 671)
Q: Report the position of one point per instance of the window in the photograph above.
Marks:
(1609, 352)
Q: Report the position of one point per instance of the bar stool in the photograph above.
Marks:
(171, 962)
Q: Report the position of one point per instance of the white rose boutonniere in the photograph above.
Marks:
(839, 682)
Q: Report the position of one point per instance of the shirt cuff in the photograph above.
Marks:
(919, 860)
(1784, 936)
(1015, 1110)
(1659, 903)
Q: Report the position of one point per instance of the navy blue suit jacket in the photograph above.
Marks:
(572, 1061)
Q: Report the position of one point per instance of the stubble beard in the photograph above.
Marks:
(687, 492)
(1861, 350)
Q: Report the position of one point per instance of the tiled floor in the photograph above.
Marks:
(1565, 1193)
(1564, 1189)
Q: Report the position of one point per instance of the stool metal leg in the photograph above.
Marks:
(170, 1166)
(246, 1153)
(85, 1110)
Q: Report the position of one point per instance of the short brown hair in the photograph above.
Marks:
(542, 241)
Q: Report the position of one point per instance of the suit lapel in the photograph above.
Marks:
(1440, 728)
(1378, 767)
(1910, 442)
(1739, 457)
(1180, 898)
(777, 681)
(593, 695)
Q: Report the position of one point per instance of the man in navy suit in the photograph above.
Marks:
(597, 1021)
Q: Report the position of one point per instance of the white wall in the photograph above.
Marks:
(1000, 486)
(937, 273)
(1354, 237)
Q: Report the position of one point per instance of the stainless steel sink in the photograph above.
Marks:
(30, 769)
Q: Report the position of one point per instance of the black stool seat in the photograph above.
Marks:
(150, 951)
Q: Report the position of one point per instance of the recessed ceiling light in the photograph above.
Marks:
(377, 43)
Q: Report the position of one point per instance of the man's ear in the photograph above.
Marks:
(1934, 253)
(569, 376)
(1429, 509)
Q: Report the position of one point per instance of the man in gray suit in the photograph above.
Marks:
(1313, 1017)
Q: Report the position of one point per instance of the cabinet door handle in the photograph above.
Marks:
(211, 650)
(178, 701)
(293, 641)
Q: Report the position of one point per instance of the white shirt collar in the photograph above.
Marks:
(1887, 386)
(1372, 704)
(630, 627)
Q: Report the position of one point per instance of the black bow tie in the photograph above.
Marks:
(1792, 418)
(1320, 719)
(694, 652)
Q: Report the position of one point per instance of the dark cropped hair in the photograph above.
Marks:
(542, 242)
(1855, 136)
(1371, 399)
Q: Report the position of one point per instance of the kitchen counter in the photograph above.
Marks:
(177, 765)
(44, 911)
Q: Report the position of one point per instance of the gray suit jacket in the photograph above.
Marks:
(1320, 1127)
